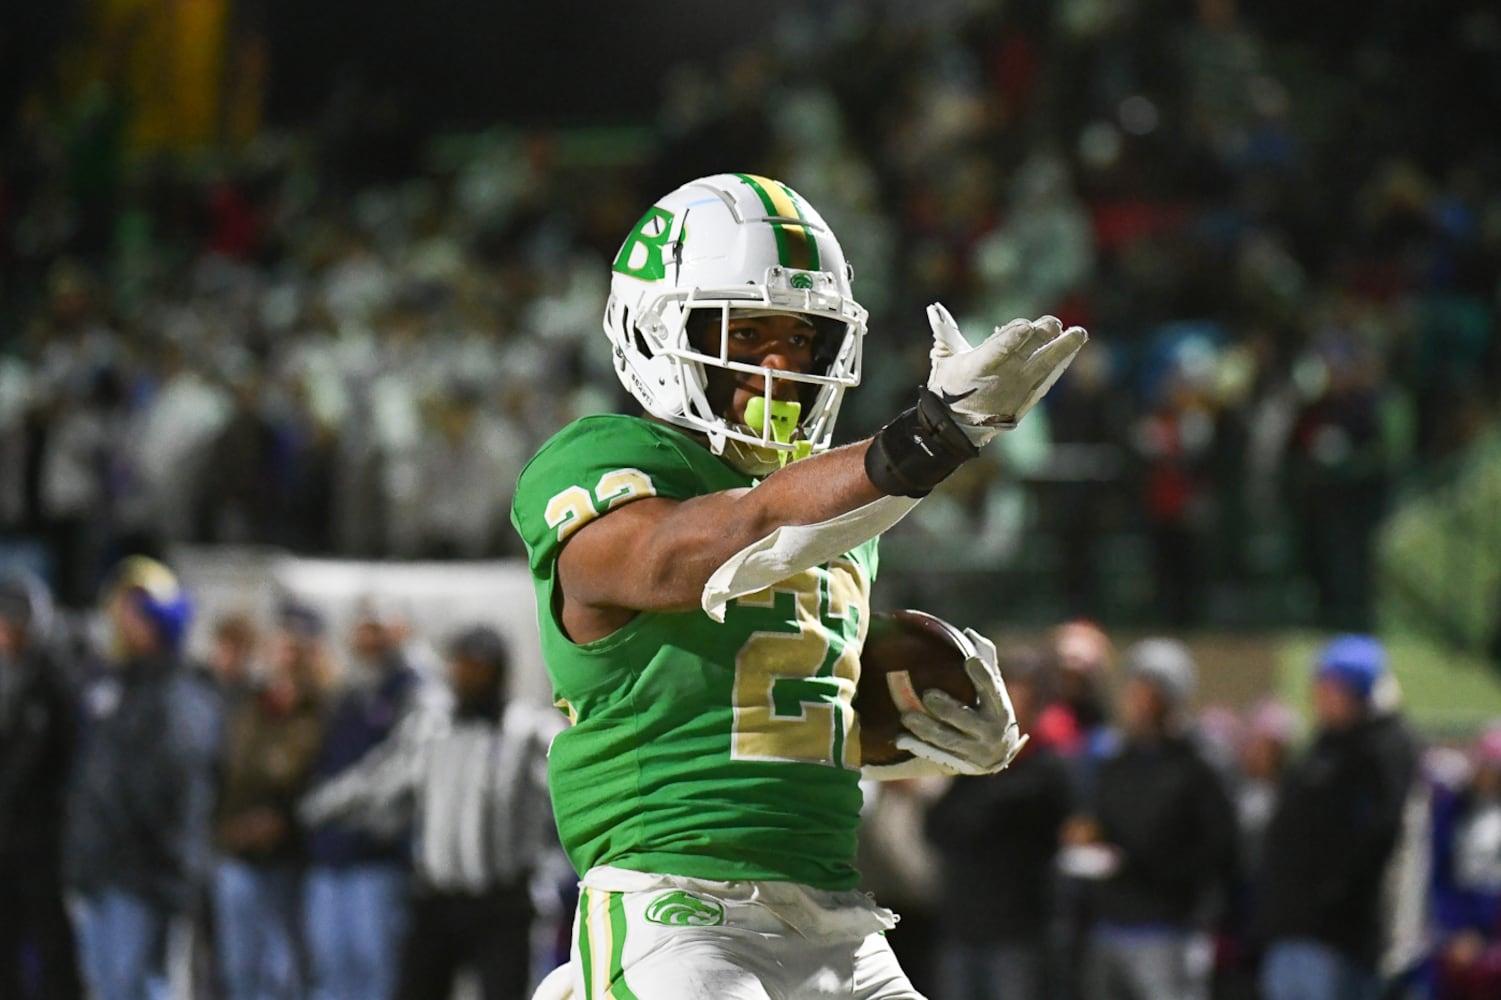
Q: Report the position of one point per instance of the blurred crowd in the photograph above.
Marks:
(344, 337)
(266, 825)
(1284, 233)
(1149, 844)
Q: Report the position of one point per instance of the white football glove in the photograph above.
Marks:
(991, 386)
(961, 739)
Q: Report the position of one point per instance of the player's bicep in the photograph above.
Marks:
(593, 558)
(652, 554)
(612, 562)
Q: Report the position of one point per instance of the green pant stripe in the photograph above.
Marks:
(585, 957)
(618, 988)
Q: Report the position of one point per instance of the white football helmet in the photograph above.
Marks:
(727, 243)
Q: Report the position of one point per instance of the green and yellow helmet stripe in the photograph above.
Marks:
(796, 245)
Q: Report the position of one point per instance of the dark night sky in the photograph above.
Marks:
(466, 62)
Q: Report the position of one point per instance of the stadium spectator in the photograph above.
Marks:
(1079, 722)
(171, 441)
(355, 893)
(238, 502)
(1467, 876)
(1262, 753)
(140, 804)
(227, 677)
(1331, 838)
(37, 731)
(232, 658)
(1175, 438)
(1266, 748)
(271, 737)
(476, 457)
(997, 841)
(1338, 474)
(1088, 416)
(1080, 725)
(1159, 835)
(79, 426)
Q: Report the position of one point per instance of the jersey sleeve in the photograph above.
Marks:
(587, 470)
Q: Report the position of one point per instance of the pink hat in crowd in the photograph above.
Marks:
(1488, 744)
(1083, 646)
(1272, 719)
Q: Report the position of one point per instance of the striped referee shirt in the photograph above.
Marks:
(474, 789)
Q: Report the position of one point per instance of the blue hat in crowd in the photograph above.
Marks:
(159, 595)
(1356, 661)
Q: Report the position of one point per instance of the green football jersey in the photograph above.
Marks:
(717, 751)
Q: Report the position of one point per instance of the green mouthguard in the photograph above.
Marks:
(782, 424)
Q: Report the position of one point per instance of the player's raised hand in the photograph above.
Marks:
(991, 386)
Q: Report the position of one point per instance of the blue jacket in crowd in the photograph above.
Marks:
(361, 718)
(142, 794)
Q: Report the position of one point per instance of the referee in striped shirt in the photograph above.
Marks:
(475, 788)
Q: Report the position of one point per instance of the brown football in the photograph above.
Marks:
(905, 651)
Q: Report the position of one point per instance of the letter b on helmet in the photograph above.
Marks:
(641, 254)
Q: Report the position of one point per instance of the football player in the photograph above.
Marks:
(703, 581)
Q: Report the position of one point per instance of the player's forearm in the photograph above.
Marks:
(902, 463)
(703, 533)
(807, 492)
(708, 550)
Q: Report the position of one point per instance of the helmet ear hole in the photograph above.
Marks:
(627, 321)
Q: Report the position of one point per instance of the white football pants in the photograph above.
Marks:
(638, 936)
